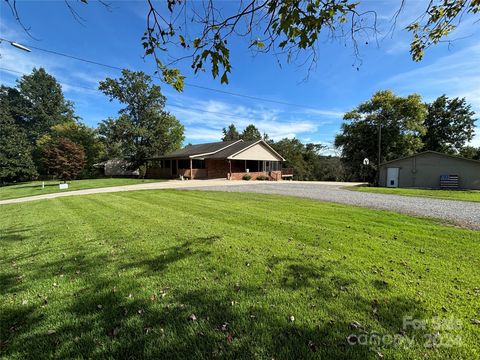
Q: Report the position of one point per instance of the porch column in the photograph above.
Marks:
(230, 168)
(191, 170)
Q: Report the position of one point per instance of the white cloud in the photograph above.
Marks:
(457, 74)
(205, 119)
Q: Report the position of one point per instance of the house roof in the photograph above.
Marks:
(217, 150)
(431, 152)
(231, 150)
(197, 150)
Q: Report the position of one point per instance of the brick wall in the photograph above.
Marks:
(274, 175)
(217, 169)
(197, 173)
(158, 173)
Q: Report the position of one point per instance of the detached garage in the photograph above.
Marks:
(431, 170)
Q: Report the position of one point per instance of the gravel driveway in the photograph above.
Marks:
(462, 213)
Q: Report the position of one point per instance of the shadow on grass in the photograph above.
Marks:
(175, 253)
(101, 317)
(15, 233)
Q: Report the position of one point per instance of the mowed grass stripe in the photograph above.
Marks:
(242, 263)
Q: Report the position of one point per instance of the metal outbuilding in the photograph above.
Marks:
(433, 170)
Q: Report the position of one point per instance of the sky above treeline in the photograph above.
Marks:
(112, 36)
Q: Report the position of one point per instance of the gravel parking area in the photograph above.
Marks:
(461, 213)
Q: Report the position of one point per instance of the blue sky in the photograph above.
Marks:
(333, 87)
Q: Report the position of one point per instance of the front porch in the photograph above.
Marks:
(216, 169)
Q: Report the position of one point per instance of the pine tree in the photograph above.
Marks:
(230, 133)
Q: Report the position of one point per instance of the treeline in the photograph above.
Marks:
(406, 126)
(41, 136)
(306, 159)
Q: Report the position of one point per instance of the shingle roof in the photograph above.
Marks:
(217, 150)
(233, 149)
(199, 149)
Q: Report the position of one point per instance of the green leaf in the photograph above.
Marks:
(224, 79)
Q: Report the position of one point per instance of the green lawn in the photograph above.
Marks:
(35, 187)
(462, 195)
(121, 275)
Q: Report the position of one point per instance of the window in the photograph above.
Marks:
(184, 164)
(252, 165)
(198, 164)
(276, 165)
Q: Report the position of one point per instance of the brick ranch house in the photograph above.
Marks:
(226, 159)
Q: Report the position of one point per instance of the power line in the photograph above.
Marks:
(170, 105)
(186, 84)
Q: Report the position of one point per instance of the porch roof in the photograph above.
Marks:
(223, 150)
(198, 150)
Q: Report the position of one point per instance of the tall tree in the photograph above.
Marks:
(400, 121)
(64, 159)
(449, 124)
(251, 133)
(82, 135)
(230, 133)
(144, 128)
(13, 101)
(470, 152)
(301, 157)
(43, 104)
(16, 162)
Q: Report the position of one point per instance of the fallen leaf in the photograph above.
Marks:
(224, 326)
(192, 317)
(51, 332)
(475, 322)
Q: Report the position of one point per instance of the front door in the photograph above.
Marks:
(392, 177)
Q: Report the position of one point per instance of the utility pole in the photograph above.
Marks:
(379, 155)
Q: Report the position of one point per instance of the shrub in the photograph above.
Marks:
(246, 177)
(262, 178)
